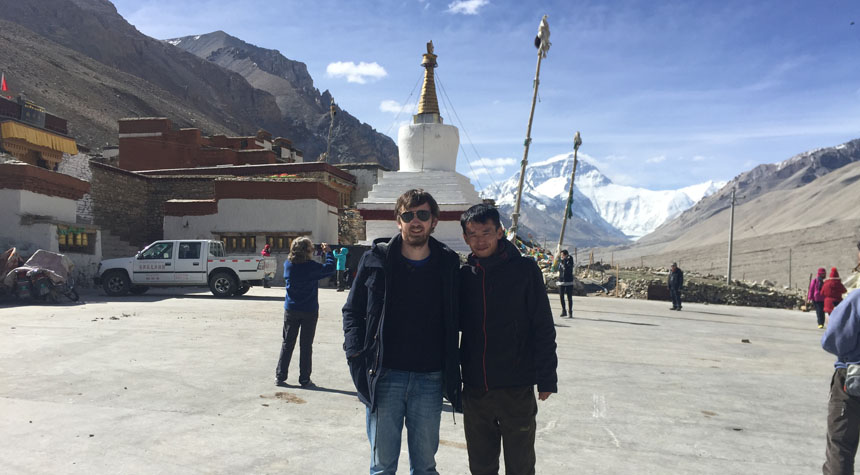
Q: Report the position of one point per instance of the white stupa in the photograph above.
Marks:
(428, 160)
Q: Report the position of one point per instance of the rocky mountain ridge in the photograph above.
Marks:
(604, 212)
(83, 61)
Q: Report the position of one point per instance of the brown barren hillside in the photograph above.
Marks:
(780, 234)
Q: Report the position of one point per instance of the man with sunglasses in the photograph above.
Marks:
(400, 325)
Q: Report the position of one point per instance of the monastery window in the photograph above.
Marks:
(280, 243)
(76, 240)
(239, 244)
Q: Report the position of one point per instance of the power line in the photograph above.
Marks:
(397, 117)
(468, 137)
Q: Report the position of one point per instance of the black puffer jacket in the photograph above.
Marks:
(508, 332)
(364, 316)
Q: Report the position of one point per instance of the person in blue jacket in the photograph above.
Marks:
(842, 338)
(301, 306)
(340, 255)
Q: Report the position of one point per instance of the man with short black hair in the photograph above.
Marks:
(676, 283)
(508, 346)
(400, 326)
(565, 281)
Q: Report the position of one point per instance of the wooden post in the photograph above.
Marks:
(617, 279)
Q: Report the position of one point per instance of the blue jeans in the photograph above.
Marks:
(417, 398)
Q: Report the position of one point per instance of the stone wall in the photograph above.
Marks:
(350, 227)
(120, 203)
(78, 166)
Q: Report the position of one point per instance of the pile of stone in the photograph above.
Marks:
(740, 294)
(697, 288)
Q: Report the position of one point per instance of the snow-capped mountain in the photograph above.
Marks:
(607, 211)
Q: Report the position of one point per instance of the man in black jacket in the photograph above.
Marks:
(565, 281)
(508, 346)
(400, 326)
(676, 283)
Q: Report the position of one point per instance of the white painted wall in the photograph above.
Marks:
(276, 216)
(20, 202)
(428, 147)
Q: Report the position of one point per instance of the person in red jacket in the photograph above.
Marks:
(814, 296)
(832, 291)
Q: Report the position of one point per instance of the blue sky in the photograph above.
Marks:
(665, 93)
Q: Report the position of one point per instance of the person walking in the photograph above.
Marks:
(842, 338)
(565, 281)
(832, 290)
(340, 255)
(267, 252)
(301, 306)
(400, 324)
(676, 283)
(814, 295)
(508, 346)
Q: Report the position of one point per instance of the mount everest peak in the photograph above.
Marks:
(609, 212)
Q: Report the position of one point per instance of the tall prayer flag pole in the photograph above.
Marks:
(542, 43)
(568, 211)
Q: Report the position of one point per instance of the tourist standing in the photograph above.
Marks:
(832, 290)
(565, 281)
(340, 255)
(814, 295)
(267, 252)
(301, 306)
(676, 283)
(843, 410)
(401, 333)
(508, 347)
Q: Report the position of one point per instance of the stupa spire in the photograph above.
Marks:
(428, 105)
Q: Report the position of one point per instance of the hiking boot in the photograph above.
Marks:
(563, 313)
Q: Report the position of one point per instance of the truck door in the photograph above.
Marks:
(190, 266)
(154, 264)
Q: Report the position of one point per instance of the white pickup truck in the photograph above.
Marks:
(183, 262)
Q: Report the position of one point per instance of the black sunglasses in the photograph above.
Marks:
(423, 215)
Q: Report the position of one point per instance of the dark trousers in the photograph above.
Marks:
(566, 289)
(843, 428)
(819, 311)
(676, 297)
(293, 322)
(500, 417)
(340, 281)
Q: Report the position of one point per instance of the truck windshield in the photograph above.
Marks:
(216, 249)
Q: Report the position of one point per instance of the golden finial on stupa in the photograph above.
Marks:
(428, 105)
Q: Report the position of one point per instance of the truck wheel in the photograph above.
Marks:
(243, 289)
(222, 284)
(139, 289)
(115, 283)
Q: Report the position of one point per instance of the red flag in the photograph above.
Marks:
(3, 83)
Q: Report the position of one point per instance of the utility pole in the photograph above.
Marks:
(332, 111)
(731, 237)
(568, 213)
(789, 267)
(543, 44)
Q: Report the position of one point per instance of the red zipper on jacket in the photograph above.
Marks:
(484, 295)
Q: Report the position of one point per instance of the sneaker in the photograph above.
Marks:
(563, 313)
(308, 384)
(280, 382)
(673, 308)
(820, 326)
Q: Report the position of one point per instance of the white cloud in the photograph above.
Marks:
(490, 166)
(466, 7)
(699, 158)
(358, 73)
(657, 159)
(394, 107)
